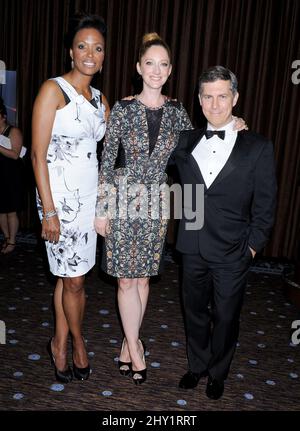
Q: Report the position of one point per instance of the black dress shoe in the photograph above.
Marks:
(190, 380)
(214, 389)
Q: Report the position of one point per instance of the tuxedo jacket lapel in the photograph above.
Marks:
(186, 152)
(194, 140)
(194, 165)
(233, 161)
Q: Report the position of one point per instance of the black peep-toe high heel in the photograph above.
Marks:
(124, 367)
(140, 376)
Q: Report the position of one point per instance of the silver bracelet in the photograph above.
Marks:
(50, 214)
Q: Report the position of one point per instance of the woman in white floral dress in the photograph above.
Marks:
(69, 117)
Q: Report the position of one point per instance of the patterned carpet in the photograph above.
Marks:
(264, 376)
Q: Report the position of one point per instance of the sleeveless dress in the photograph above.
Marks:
(12, 179)
(73, 174)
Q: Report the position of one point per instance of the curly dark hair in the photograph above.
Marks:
(82, 20)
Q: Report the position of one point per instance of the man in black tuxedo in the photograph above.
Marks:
(237, 171)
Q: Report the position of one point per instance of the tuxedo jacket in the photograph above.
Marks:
(239, 206)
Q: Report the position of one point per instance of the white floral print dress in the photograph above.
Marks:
(73, 173)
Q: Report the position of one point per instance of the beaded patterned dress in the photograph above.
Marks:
(137, 227)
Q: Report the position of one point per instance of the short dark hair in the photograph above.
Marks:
(219, 72)
(3, 111)
(79, 21)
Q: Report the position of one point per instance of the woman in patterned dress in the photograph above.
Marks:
(68, 119)
(147, 127)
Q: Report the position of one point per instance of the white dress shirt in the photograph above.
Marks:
(212, 154)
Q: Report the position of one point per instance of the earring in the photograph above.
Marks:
(72, 63)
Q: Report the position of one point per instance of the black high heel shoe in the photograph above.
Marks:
(81, 373)
(124, 367)
(61, 376)
(140, 376)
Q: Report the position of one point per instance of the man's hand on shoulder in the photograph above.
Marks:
(239, 124)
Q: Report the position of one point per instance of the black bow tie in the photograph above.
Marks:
(210, 133)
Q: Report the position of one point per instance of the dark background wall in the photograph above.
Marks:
(257, 39)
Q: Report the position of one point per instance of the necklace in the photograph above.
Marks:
(150, 107)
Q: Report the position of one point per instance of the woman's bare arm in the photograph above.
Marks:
(16, 140)
(48, 100)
